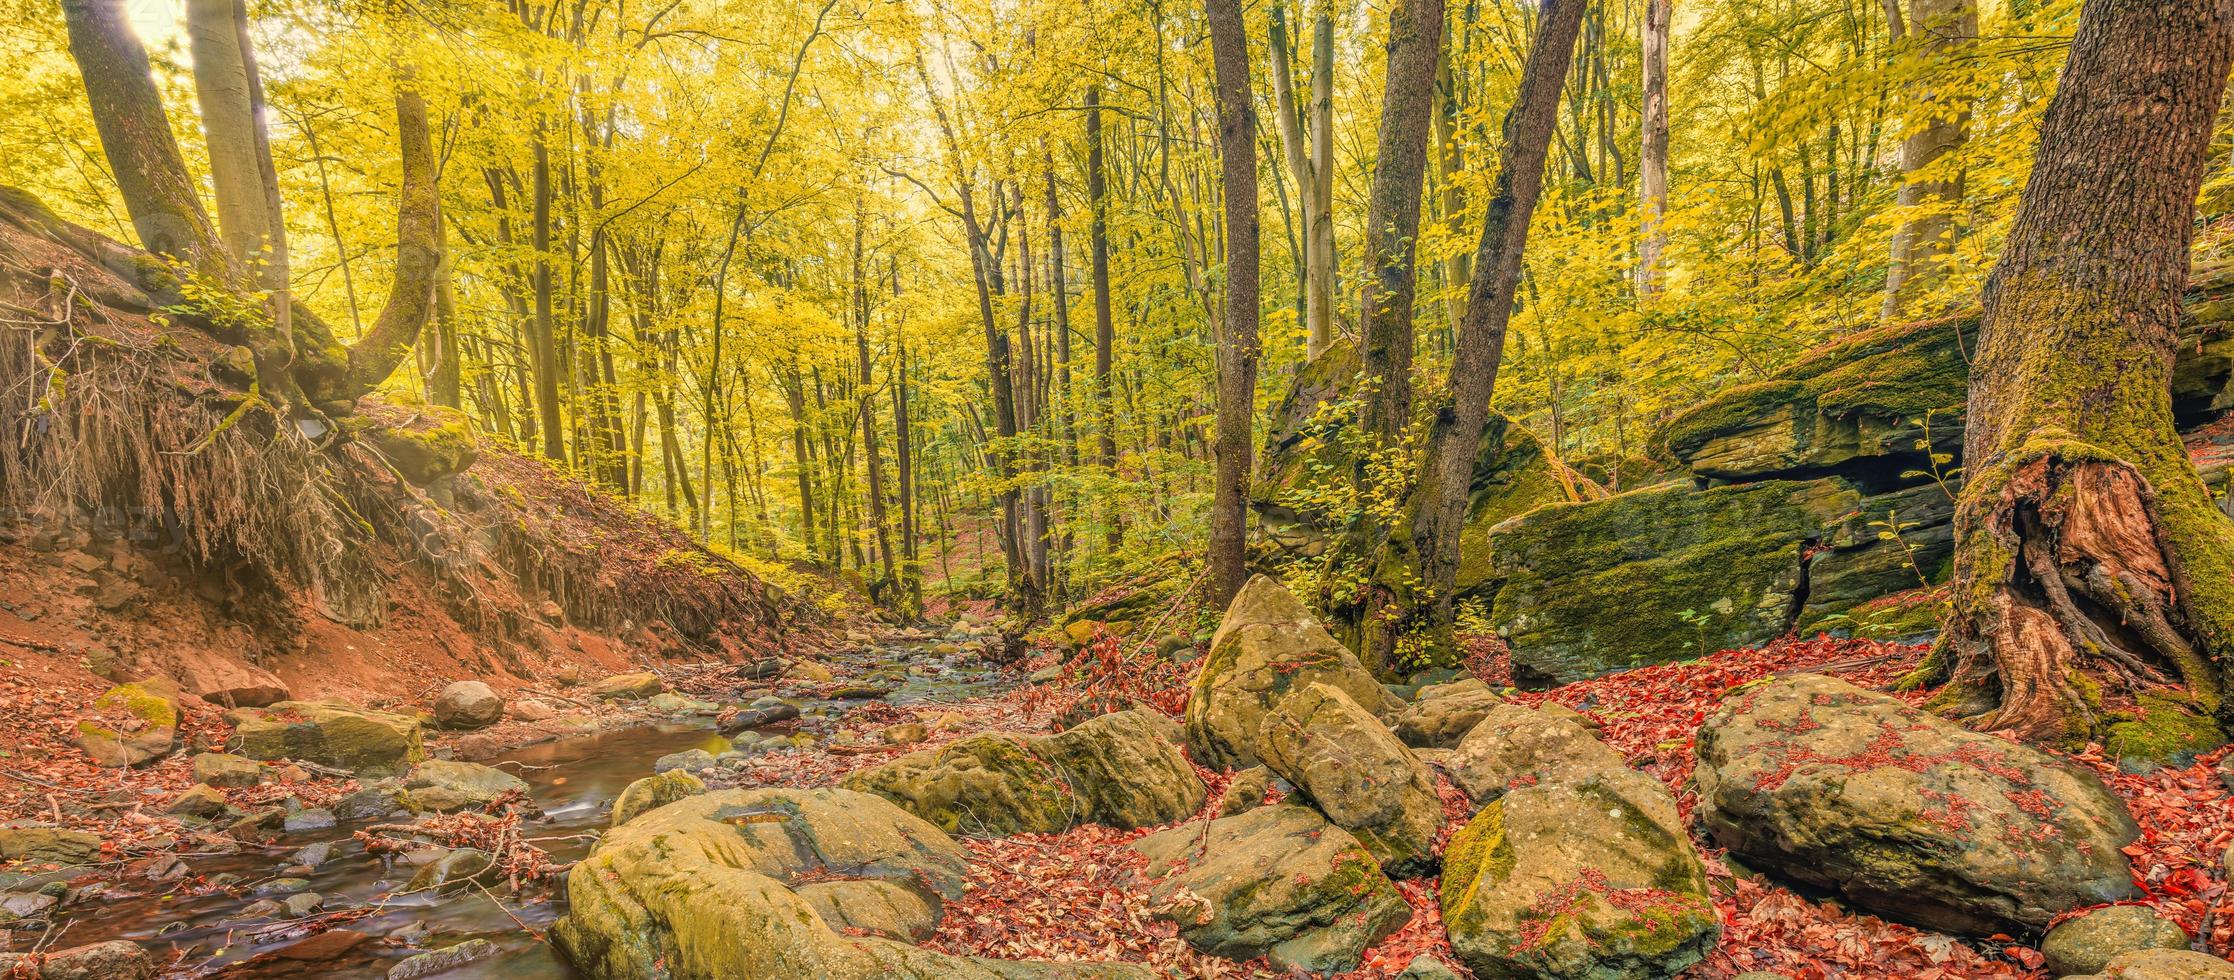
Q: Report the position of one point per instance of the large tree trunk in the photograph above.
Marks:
(1653, 189)
(1410, 603)
(1392, 216)
(2091, 570)
(1923, 244)
(1237, 343)
(226, 86)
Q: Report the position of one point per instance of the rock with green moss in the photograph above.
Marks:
(1267, 647)
(2087, 943)
(704, 889)
(1127, 768)
(1278, 882)
(1902, 541)
(1357, 773)
(2163, 964)
(876, 908)
(1444, 713)
(444, 786)
(652, 792)
(117, 959)
(330, 733)
(40, 844)
(2162, 728)
(1588, 877)
(227, 771)
(1655, 575)
(132, 724)
(1120, 769)
(629, 687)
(424, 442)
(1515, 746)
(1906, 814)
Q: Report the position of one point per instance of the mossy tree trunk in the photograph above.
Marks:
(2091, 569)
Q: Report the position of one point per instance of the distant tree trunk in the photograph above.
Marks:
(1922, 245)
(1105, 337)
(1322, 255)
(802, 454)
(2091, 567)
(866, 392)
(542, 337)
(1392, 215)
(1300, 128)
(1412, 599)
(1450, 162)
(438, 348)
(1237, 345)
(1653, 190)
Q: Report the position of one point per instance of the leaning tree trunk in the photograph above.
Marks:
(2090, 566)
(1237, 343)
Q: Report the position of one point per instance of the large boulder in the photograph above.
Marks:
(1587, 878)
(1268, 646)
(1357, 773)
(2163, 964)
(1904, 813)
(468, 705)
(1278, 882)
(443, 786)
(709, 888)
(1655, 575)
(132, 724)
(329, 733)
(39, 844)
(654, 791)
(1120, 769)
(1514, 747)
(2088, 943)
(1444, 714)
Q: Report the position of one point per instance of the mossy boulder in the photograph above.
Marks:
(1906, 814)
(2163, 964)
(424, 442)
(629, 687)
(1267, 647)
(366, 742)
(703, 889)
(1443, 714)
(1120, 769)
(39, 844)
(1357, 773)
(227, 771)
(1586, 878)
(2088, 943)
(1655, 575)
(117, 959)
(652, 792)
(1278, 882)
(1514, 746)
(444, 786)
(132, 724)
(876, 908)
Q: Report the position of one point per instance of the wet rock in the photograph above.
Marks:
(307, 820)
(466, 705)
(441, 786)
(672, 704)
(1279, 882)
(1444, 714)
(688, 760)
(1591, 877)
(1357, 773)
(2163, 964)
(859, 692)
(453, 869)
(369, 743)
(442, 960)
(18, 908)
(135, 724)
(375, 800)
(116, 960)
(301, 904)
(227, 771)
(2088, 943)
(312, 855)
(279, 887)
(1514, 746)
(879, 908)
(1904, 813)
(200, 801)
(629, 687)
(49, 845)
(808, 672)
(1267, 646)
(652, 792)
(697, 890)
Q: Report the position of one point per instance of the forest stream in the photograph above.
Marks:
(573, 780)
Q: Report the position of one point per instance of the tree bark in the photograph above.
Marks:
(418, 252)
(223, 80)
(1392, 216)
(1408, 622)
(2091, 569)
(1105, 337)
(1237, 346)
(1653, 189)
(1923, 244)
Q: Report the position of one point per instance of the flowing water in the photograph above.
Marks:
(574, 780)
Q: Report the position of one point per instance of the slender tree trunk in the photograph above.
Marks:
(223, 78)
(1237, 347)
(1392, 217)
(1105, 337)
(1406, 621)
(1653, 193)
(418, 251)
(1923, 244)
(2091, 568)
(542, 335)
(866, 392)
